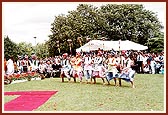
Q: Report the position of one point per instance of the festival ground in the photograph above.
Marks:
(147, 96)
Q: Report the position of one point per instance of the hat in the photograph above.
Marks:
(123, 51)
(99, 54)
(65, 54)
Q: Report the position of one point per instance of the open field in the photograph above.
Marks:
(147, 96)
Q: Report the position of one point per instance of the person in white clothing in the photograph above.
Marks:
(153, 65)
(140, 62)
(128, 73)
(41, 69)
(65, 67)
(10, 70)
(146, 68)
(111, 68)
(87, 67)
(98, 68)
(19, 64)
(10, 66)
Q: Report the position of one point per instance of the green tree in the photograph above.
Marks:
(42, 50)
(130, 22)
(25, 49)
(156, 45)
(10, 48)
(125, 22)
(80, 23)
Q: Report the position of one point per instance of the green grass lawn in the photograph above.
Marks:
(147, 96)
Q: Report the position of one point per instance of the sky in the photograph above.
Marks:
(22, 21)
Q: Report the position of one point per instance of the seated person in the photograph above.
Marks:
(48, 69)
(41, 69)
(56, 69)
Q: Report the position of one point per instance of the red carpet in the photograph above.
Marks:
(28, 100)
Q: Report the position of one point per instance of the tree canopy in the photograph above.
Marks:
(126, 22)
(114, 22)
(10, 48)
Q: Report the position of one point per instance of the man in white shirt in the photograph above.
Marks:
(140, 62)
(66, 67)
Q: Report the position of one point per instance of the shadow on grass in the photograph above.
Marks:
(97, 83)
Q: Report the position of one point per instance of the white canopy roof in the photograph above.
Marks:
(108, 45)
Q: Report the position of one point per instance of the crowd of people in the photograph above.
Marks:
(88, 66)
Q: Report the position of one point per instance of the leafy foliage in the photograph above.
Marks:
(42, 50)
(125, 22)
(23, 48)
(156, 44)
(10, 49)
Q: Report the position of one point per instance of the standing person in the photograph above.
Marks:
(10, 69)
(66, 67)
(134, 57)
(87, 67)
(99, 69)
(10, 66)
(122, 58)
(153, 66)
(158, 66)
(140, 62)
(19, 64)
(111, 68)
(72, 71)
(78, 69)
(128, 73)
(161, 58)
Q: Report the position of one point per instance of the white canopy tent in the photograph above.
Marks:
(129, 45)
(108, 45)
(93, 45)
